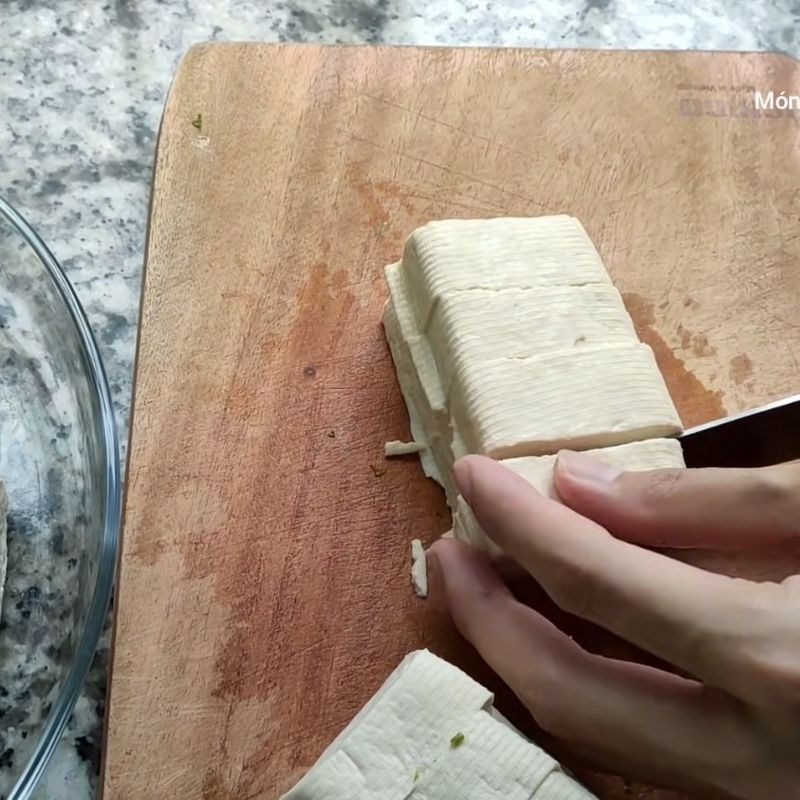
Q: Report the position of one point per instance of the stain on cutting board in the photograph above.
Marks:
(696, 403)
(741, 368)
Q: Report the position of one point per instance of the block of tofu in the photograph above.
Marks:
(475, 326)
(578, 399)
(538, 471)
(430, 733)
(523, 252)
(510, 340)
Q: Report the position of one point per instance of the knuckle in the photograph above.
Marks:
(492, 597)
(549, 717)
(479, 608)
(769, 652)
(777, 491)
(543, 693)
(575, 588)
(659, 488)
(775, 483)
(540, 697)
(791, 586)
(778, 673)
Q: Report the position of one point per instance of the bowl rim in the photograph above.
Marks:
(65, 701)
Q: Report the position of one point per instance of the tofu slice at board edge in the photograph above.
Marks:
(401, 730)
(431, 733)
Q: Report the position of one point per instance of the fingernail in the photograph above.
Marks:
(588, 469)
(462, 472)
(437, 577)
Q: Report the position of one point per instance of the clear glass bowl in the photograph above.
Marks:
(59, 460)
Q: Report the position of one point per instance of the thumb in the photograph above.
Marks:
(722, 509)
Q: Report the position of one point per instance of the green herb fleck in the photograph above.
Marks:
(197, 122)
(416, 776)
(457, 740)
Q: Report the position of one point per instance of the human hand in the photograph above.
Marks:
(735, 725)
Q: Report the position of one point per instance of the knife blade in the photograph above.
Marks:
(758, 438)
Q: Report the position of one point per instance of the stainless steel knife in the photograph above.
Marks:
(761, 437)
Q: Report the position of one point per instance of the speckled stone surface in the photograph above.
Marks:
(82, 85)
(47, 448)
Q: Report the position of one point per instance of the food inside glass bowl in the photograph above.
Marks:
(60, 465)
(3, 543)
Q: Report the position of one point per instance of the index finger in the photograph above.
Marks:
(696, 620)
(723, 509)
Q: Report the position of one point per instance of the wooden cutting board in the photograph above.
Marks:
(263, 589)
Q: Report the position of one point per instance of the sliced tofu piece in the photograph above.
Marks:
(430, 733)
(428, 429)
(579, 399)
(420, 383)
(419, 568)
(478, 325)
(501, 253)
(418, 346)
(487, 760)
(538, 471)
(397, 448)
(402, 730)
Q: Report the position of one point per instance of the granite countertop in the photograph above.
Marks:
(83, 85)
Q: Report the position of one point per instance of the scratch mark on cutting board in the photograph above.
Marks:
(419, 114)
(323, 295)
(450, 171)
(695, 402)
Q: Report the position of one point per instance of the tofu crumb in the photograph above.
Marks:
(419, 569)
(398, 448)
